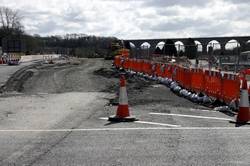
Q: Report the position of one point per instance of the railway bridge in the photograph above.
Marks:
(202, 43)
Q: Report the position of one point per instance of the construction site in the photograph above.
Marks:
(61, 110)
(124, 83)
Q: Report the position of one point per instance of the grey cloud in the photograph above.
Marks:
(166, 3)
(239, 1)
(48, 26)
(176, 25)
(74, 15)
(198, 28)
(141, 18)
(48, 23)
(167, 12)
(214, 29)
(241, 13)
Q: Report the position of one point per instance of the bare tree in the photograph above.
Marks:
(10, 20)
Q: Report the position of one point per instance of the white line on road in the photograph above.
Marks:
(191, 116)
(151, 123)
(202, 110)
(160, 124)
(125, 128)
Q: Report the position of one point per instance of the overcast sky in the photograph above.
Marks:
(133, 19)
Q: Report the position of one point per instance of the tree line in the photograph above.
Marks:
(80, 45)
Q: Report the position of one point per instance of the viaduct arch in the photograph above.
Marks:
(204, 41)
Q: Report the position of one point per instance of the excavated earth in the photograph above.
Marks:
(90, 75)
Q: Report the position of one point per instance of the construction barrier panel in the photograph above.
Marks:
(163, 70)
(183, 77)
(117, 62)
(217, 85)
(230, 87)
(140, 64)
(178, 75)
(187, 79)
(158, 70)
(126, 63)
(197, 80)
(144, 66)
(207, 83)
(129, 63)
(168, 71)
(135, 65)
(135, 62)
(153, 69)
(173, 70)
(148, 68)
(224, 87)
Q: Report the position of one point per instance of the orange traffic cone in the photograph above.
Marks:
(244, 113)
(122, 113)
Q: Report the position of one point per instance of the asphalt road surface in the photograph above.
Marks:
(59, 117)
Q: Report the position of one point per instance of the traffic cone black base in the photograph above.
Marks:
(118, 119)
(239, 123)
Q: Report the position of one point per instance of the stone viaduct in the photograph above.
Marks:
(244, 42)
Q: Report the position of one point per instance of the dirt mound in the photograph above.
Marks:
(16, 81)
(107, 72)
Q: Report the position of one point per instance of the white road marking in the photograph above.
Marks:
(202, 110)
(125, 128)
(191, 116)
(151, 123)
(103, 118)
(160, 124)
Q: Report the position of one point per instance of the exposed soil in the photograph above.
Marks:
(91, 75)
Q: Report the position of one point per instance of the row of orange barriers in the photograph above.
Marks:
(225, 87)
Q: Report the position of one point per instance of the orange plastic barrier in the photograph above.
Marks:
(158, 70)
(146, 67)
(153, 69)
(187, 79)
(184, 77)
(168, 71)
(149, 67)
(230, 87)
(207, 83)
(197, 80)
(129, 63)
(140, 65)
(126, 63)
(217, 79)
(213, 84)
(117, 61)
(226, 88)
(178, 74)
(173, 70)
(133, 64)
(163, 70)
(143, 68)
(136, 65)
